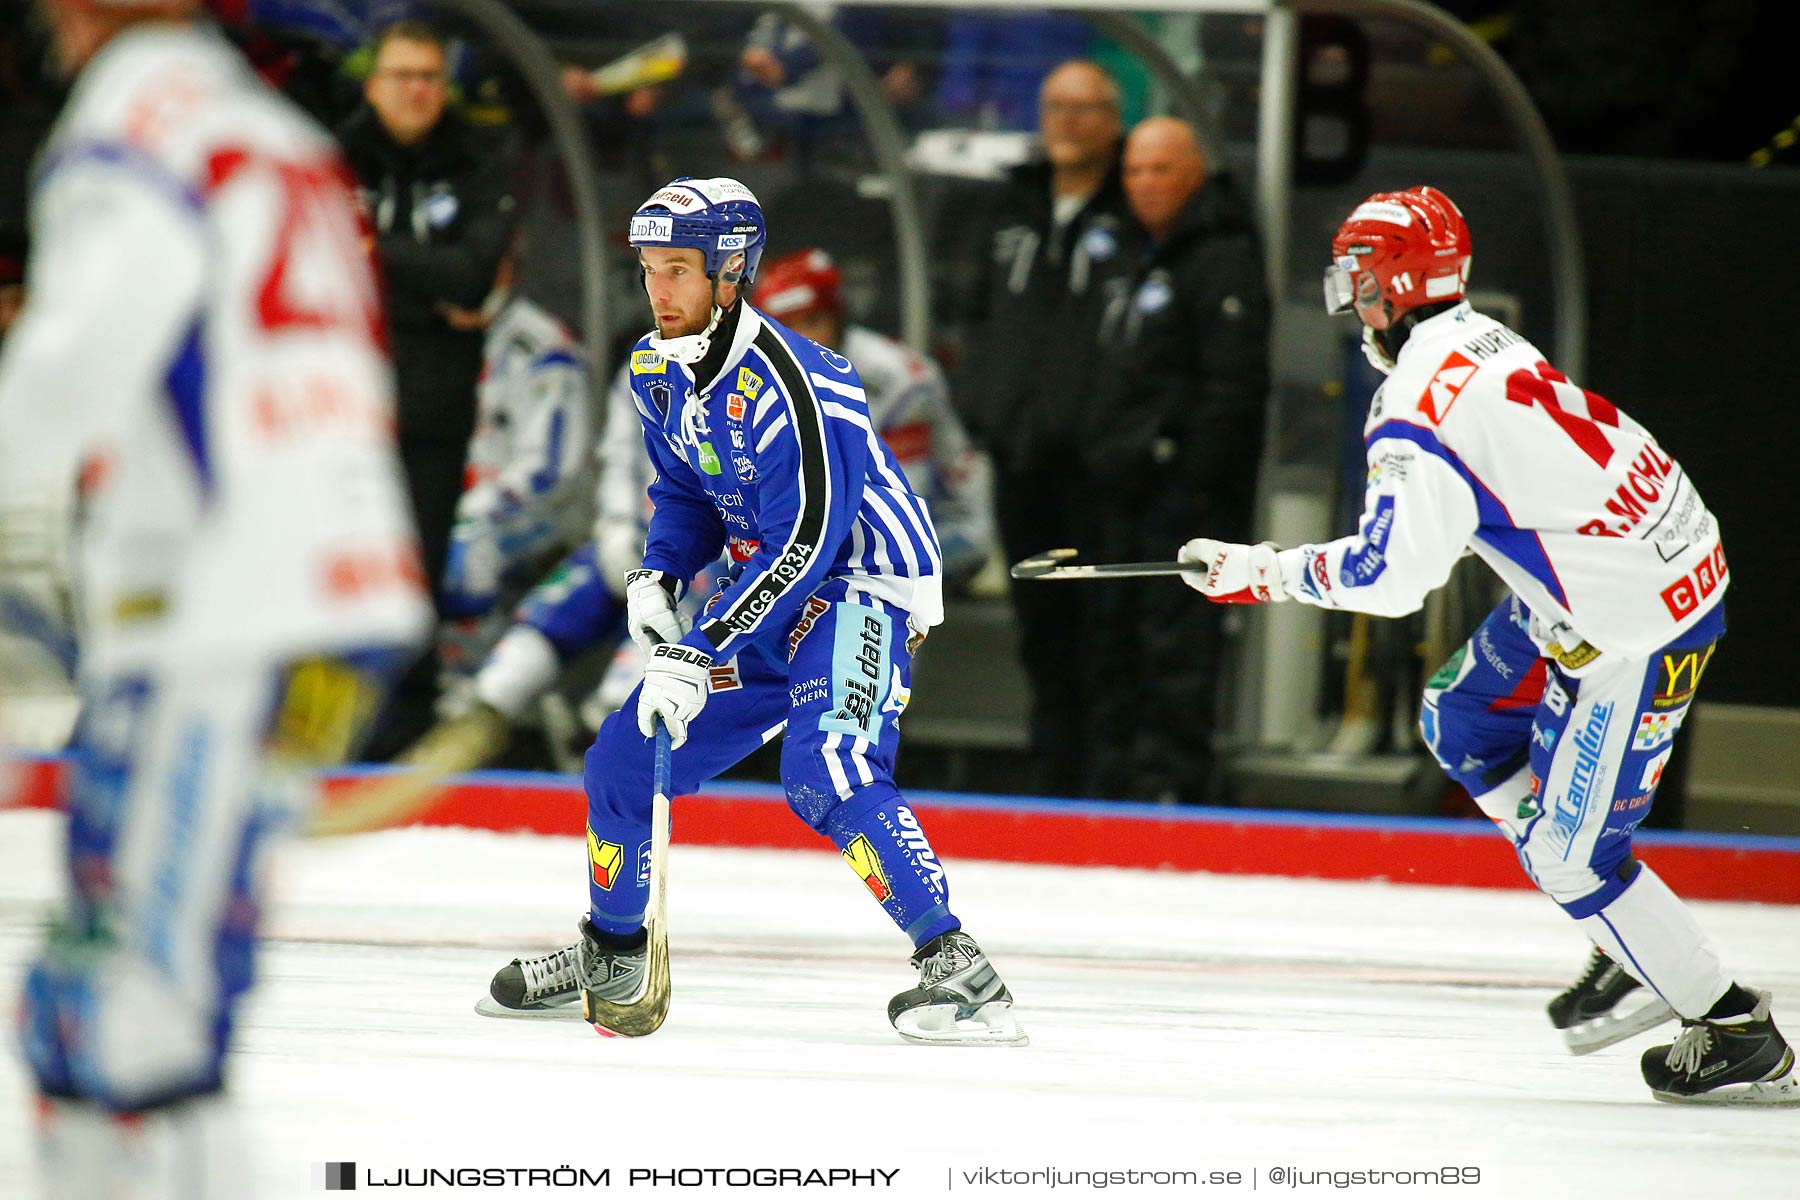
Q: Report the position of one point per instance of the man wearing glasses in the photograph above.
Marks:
(440, 218)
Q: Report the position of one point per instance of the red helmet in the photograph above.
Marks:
(795, 284)
(1405, 248)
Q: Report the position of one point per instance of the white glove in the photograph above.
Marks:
(1235, 573)
(650, 613)
(675, 688)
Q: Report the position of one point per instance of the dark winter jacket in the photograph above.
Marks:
(1033, 314)
(1184, 363)
(443, 217)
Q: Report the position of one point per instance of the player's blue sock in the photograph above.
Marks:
(881, 839)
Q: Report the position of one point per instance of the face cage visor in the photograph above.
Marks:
(1340, 285)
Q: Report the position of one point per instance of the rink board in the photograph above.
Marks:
(1439, 851)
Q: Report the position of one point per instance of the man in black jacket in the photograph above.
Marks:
(442, 217)
(1174, 434)
(1053, 235)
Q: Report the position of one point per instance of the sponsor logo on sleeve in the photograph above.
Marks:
(648, 362)
(786, 569)
(1364, 564)
(749, 383)
(734, 407)
(723, 678)
(709, 459)
(1653, 770)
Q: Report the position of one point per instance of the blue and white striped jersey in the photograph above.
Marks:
(776, 461)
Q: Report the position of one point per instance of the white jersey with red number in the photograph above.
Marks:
(1475, 442)
(533, 423)
(202, 342)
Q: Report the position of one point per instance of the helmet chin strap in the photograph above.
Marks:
(1372, 350)
(691, 348)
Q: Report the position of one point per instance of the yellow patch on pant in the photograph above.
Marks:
(861, 856)
(605, 858)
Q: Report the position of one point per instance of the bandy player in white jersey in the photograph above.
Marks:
(1558, 714)
(202, 345)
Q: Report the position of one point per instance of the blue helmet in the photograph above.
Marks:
(718, 217)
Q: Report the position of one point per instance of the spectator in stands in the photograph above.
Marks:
(1174, 434)
(1051, 237)
(442, 217)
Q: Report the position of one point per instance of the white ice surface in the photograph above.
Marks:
(1178, 1022)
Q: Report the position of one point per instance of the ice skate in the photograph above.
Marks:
(1605, 1006)
(1728, 1060)
(550, 985)
(960, 1000)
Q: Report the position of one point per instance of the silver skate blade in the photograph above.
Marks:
(938, 1025)
(1611, 1028)
(1770, 1093)
(487, 1006)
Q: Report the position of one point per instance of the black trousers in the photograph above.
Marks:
(1037, 509)
(1155, 652)
(434, 483)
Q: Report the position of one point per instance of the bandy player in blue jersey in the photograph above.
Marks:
(763, 448)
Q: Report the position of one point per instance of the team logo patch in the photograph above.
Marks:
(815, 608)
(648, 362)
(1679, 677)
(734, 407)
(652, 229)
(861, 856)
(605, 859)
(1685, 594)
(1656, 729)
(1445, 386)
(749, 383)
(1451, 672)
(859, 672)
(1653, 770)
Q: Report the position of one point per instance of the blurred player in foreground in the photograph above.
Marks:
(1558, 714)
(201, 348)
(763, 447)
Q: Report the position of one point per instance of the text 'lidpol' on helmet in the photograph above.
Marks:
(719, 217)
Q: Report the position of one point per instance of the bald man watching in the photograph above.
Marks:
(1175, 428)
(1053, 233)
